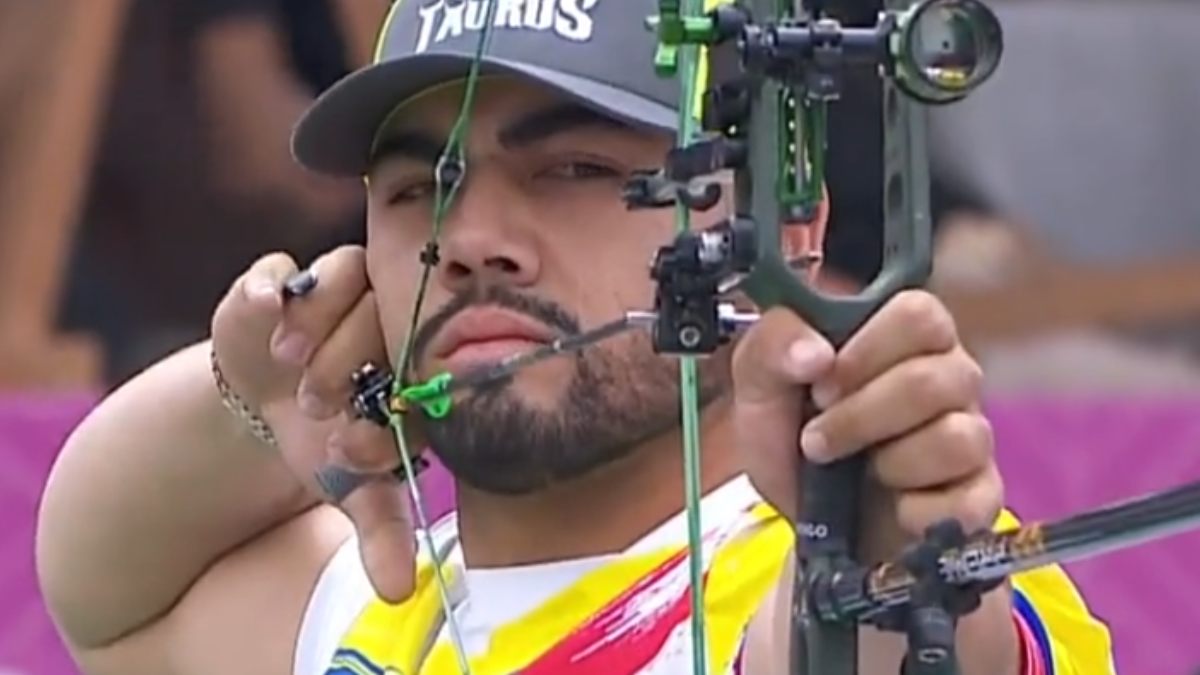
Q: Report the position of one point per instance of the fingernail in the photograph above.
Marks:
(292, 349)
(806, 359)
(825, 394)
(299, 285)
(815, 445)
(260, 289)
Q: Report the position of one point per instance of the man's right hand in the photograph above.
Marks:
(290, 358)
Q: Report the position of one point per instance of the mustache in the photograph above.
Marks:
(544, 311)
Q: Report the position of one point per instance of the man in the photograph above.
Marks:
(171, 541)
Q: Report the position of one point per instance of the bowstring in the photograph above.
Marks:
(451, 164)
(688, 377)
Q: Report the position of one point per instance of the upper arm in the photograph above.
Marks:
(1070, 637)
(242, 616)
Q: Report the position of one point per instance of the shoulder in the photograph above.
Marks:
(341, 591)
(341, 594)
(242, 614)
(1048, 602)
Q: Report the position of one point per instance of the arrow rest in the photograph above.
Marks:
(689, 275)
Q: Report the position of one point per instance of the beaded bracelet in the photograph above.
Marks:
(236, 405)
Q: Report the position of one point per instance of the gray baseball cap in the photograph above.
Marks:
(596, 52)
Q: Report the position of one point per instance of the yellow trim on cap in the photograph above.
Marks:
(381, 37)
(412, 100)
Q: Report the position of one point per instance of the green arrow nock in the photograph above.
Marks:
(432, 395)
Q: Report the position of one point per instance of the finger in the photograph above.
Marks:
(951, 448)
(381, 516)
(913, 323)
(254, 302)
(903, 398)
(364, 446)
(326, 388)
(975, 502)
(360, 453)
(313, 312)
(778, 353)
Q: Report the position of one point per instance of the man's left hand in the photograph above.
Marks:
(902, 388)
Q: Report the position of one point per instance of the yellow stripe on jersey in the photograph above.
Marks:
(743, 571)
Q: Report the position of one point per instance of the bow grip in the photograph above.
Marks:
(830, 494)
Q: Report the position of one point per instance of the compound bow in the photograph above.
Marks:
(773, 70)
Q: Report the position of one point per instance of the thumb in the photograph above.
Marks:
(772, 363)
(242, 325)
(254, 304)
(777, 355)
(381, 515)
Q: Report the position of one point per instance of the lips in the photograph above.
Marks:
(482, 335)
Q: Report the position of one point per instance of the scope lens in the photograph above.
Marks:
(952, 46)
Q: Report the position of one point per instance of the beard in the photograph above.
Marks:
(619, 394)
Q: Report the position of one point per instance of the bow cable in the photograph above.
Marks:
(449, 173)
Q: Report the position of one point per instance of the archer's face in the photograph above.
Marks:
(538, 244)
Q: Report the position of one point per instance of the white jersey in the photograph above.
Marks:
(491, 597)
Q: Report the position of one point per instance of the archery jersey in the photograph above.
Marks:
(621, 614)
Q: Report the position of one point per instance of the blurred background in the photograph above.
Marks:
(144, 163)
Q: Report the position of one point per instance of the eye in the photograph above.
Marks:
(410, 191)
(580, 170)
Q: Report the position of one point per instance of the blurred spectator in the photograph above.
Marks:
(193, 177)
(981, 252)
(1041, 171)
(1086, 136)
(855, 170)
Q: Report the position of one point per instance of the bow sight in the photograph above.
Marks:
(934, 52)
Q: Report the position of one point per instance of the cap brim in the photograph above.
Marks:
(335, 135)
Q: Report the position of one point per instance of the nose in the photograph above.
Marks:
(487, 236)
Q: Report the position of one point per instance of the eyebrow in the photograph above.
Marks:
(416, 145)
(535, 127)
(548, 122)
